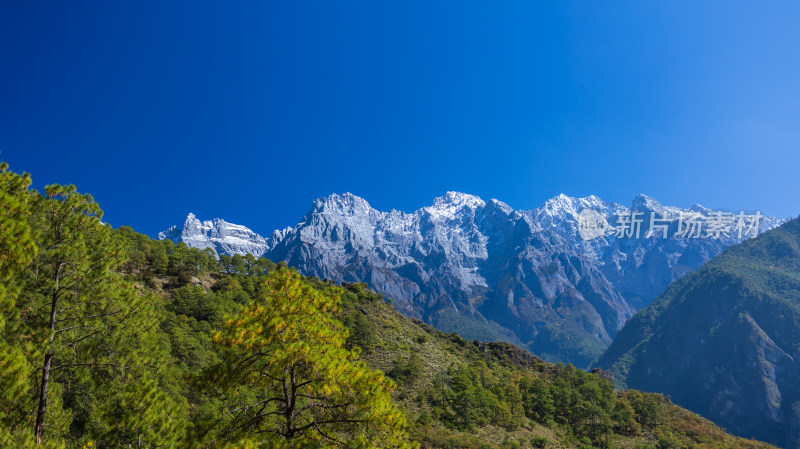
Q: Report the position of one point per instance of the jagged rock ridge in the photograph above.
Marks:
(221, 236)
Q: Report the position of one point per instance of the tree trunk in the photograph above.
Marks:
(43, 398)
(290, 402)
(48, 360)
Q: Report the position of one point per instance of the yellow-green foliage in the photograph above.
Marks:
(287, 378)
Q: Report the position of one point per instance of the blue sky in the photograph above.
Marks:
(251, 110)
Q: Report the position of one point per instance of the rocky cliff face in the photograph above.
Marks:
(483, 269)
(221, 236)
(724, 341)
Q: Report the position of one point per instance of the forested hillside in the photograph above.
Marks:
(724, 341)
(111, 340)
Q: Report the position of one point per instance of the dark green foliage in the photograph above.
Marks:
(624, 417)
(645, 406)
(210, 306)
(539, 442)
(469, 396)
(146, 257)
(584, 401)
(539, 403)
(247, 265)
(665, 443)
(190, 261)
(362, 332)
(449, 320)
(408, 370)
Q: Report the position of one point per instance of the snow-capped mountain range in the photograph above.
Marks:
(485, 270)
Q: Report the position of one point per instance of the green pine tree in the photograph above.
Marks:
(287, 380)
(17, 249)
(93, 331)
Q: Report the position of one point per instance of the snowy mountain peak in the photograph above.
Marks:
(593, 199)
(502, 206)
(646, 203)
(463, 199)
(346, 203)
(219, 235)
(590, 202)
(280, 234)
(451, 203)
(458, 200)
(560, 206)
(699, 208)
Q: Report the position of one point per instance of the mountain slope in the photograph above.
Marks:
(393, 343)
(725, 341)
(455, 393)
(485, 270)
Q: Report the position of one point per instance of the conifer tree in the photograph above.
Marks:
(17, 249)
(89, 324)
(287, 380)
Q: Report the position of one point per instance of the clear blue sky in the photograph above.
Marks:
(251, 110)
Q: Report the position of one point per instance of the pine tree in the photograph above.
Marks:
(288, 381)
(91, 326)
(17, 249)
